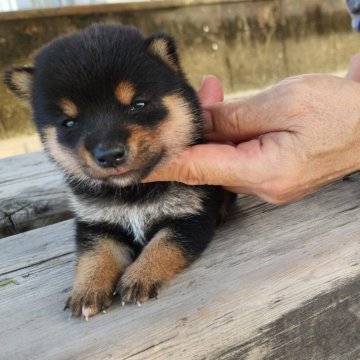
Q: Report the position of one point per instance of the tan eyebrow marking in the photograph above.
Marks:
(125, 92)
(69, 108)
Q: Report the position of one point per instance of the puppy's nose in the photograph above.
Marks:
(112, 156)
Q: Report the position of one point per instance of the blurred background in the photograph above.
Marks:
(248, 44)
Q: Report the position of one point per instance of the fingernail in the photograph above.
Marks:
(204, 77)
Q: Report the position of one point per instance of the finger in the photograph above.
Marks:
(245, 119)
(211, 90)
(240, 120)
(215, 164)
(354, 68)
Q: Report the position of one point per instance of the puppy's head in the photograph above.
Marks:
(109, 104)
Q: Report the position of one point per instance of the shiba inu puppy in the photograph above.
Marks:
(110, 106)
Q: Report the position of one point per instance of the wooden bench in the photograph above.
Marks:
(276, 282)
(32, 194)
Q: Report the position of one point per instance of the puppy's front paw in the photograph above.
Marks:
(97, 273)
(158, 263)
(137, 286)
(88, 302)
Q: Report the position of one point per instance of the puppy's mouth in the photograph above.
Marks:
(119, 171)
(101, 174)
(129, 173)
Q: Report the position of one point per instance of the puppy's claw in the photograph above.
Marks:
(137, 292)
(67, 305)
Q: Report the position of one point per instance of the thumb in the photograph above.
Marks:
(199, 165)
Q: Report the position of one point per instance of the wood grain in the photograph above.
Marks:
(32, 194)
(276, 283)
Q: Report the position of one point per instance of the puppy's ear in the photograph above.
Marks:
(163, 46)
(19, 80)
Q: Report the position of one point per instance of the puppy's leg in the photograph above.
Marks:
(169, 252)
(99, 267)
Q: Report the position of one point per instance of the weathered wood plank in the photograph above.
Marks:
(32, 194)
(276, 283)
(31, 251)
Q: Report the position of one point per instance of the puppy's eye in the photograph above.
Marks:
(69, 123)
(138, 105)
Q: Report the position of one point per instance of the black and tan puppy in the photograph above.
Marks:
(110, 106)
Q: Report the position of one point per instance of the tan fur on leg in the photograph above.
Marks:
(159, 262)
(97, 273)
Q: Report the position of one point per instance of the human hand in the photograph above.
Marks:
(281, 144)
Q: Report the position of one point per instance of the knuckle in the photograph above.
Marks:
(296, 86)
(189, 175)
(235, 114)
(277, 192)
(296, 102)
(280, 201)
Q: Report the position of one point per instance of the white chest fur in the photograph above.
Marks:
(137, 217)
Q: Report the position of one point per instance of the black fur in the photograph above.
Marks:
(86, 67)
